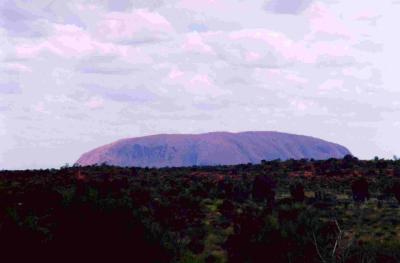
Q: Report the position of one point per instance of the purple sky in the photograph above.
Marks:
(78, 74)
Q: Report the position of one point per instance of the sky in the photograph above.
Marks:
(75, 75)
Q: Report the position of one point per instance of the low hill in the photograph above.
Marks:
(215, 148)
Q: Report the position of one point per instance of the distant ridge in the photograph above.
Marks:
(214, 148)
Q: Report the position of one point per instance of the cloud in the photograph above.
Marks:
(122, 63)
(266, 48)
(123, 5)
(323, 22)
(197, 27)
(136, 27)
(106, 70)
(194, 43)
(251, 47)
(368, 15)
(369, 46)
(33, 19)
(202, 5)
(330, 84)
(9, 87)
(301, 104)
(107, 65)
(175, 74)
(67, 41)
(291, 7)
(15, 68)
(76, 74)
(127, 94)
(95, 103)
(119, 6)
(197, 84)
(22, 22)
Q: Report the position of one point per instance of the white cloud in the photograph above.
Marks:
(135, 27)
(9, 87)
(287, 6)
(195, 84)
(40, 107)
(77, 74)
(323, 21)
(331, 84)
(203, 5)
(67, 41)
(15, 68)
(95, 103)
(175, 74)
(194, 43)
(301, 104)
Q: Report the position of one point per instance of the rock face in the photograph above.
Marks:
(213, 148)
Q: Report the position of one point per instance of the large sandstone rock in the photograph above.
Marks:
(211, 149)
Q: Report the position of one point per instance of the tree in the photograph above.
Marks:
(264, 189)
(396, 190)
(297, 192)
(360, 190)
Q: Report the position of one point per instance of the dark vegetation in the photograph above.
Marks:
(294, 211)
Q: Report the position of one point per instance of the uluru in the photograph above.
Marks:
(214, 148)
